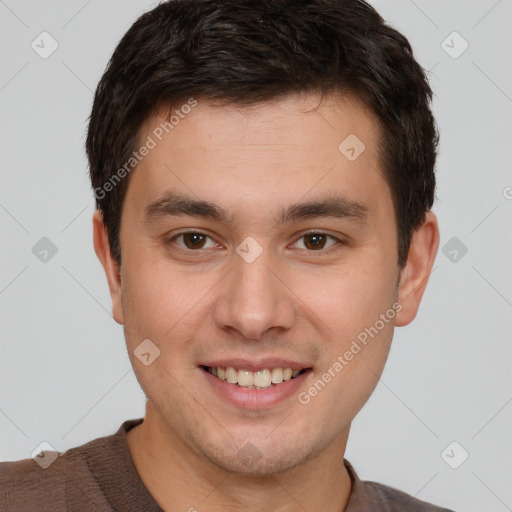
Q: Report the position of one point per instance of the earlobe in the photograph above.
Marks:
(415, 275)
(110, 266)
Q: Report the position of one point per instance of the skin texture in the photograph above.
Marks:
(292, 302)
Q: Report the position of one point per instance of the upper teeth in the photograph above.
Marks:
(260, 379)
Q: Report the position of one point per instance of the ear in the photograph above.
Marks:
(415, 274)
(112, 270)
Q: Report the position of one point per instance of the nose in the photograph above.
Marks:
(255, 298)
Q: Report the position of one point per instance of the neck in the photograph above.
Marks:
(180, 479)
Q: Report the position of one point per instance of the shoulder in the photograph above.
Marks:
(367, 495)
(56, 481)
(24, 482)
(393, 499)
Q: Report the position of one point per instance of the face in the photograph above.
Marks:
(256, 281)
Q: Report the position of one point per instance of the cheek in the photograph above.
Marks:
(350, 370)
(163, 302)
(348, 298)
(358, 338)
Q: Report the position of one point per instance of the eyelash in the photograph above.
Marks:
(303, 235)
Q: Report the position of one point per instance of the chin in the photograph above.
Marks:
(256, 457)
(249, 460)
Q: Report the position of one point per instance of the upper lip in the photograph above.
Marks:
(255, 365)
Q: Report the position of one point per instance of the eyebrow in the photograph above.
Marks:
(175, 204)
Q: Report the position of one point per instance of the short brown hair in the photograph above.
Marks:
(245, 52)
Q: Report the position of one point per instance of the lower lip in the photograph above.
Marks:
(247, 398)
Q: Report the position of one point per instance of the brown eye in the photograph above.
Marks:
(316, 242)
(194, 240)
(191, 240)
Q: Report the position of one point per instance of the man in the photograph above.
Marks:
(264, 174)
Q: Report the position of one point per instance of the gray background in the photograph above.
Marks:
(65, 375)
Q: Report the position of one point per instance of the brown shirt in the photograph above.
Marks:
(100, 476)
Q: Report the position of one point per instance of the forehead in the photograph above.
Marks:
(284, 149)
(306, 115)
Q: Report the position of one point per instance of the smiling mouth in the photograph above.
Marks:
(262, 379)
